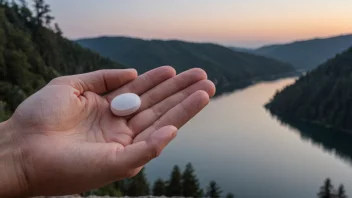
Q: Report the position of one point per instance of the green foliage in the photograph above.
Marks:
(159, 188)
(174, 187)
(3, 112)
(213, 190)
(323, 95)
(228, 69)
(307, 54)
(341, 192)
(137, 186)
(109, 190)
(327, 190)
(190, 184)
(31, 54)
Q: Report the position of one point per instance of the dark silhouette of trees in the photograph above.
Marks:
(159, 188)
(137, 186)
(190, 184)
(213, 190)
(58, 30)
(42, 13)
(341, 192)
(230, 195)
(327, 190)
(174, 187)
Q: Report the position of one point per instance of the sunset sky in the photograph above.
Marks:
(243, 23)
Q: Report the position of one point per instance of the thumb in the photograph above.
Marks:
(139, 154)
(98, 164)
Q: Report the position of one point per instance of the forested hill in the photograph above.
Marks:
(323, 95)
(32, 52)
(228, 69)
(308, 54)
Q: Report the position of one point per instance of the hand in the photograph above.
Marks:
(67, 140)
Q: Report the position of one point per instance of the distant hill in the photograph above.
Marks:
(228, 69)
(307, 54)
(241, 49)
(323, 95)
(31, 55)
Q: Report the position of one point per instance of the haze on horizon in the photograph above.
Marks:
(249, 23)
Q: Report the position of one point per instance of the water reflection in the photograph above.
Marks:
(333, 141)
(235, 142)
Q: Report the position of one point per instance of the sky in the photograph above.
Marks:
(242, 23)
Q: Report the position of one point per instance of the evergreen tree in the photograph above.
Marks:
(159, 188)
(213, 190)
(138, 185)
(200, 193)
(341, 192)
(190, 184)
(58, 30)
(174, 187)
(326, 191)
(230, 195)
(31, 55)
(42, 11)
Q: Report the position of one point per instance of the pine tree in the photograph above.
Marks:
(42, 11)
(174, 187)
(58, 30)
(138, 185)
(326, 191)
(159, 188)
(230, 195)
(341, 192)
(213, 190)
(190, 184)
(201, 193)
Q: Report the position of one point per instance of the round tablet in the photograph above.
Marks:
(125, 104)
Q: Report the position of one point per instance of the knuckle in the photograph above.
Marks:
(154, 153)
(57, 80)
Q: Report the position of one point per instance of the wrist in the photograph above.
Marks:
(13, 182)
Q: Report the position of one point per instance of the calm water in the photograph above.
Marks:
(236, 142)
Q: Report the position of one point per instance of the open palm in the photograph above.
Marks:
(71, 142)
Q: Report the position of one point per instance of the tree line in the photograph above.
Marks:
(33, 52)
(322, 96)
(179, 184)
(329, 191)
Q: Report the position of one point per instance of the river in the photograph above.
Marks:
(250, 153)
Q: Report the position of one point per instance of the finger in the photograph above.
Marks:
(99, 82)
(139, 154)
(145, 82)
(170, 87)
(179, 115)
(146, 118)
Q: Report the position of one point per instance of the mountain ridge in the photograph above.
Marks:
(309, 53)
(224, 66)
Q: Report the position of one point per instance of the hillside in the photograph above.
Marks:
(228, 69)
(308, 54)
(241, 49)
(31, 54)
(323, 95)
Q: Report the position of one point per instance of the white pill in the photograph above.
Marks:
(125, 104)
